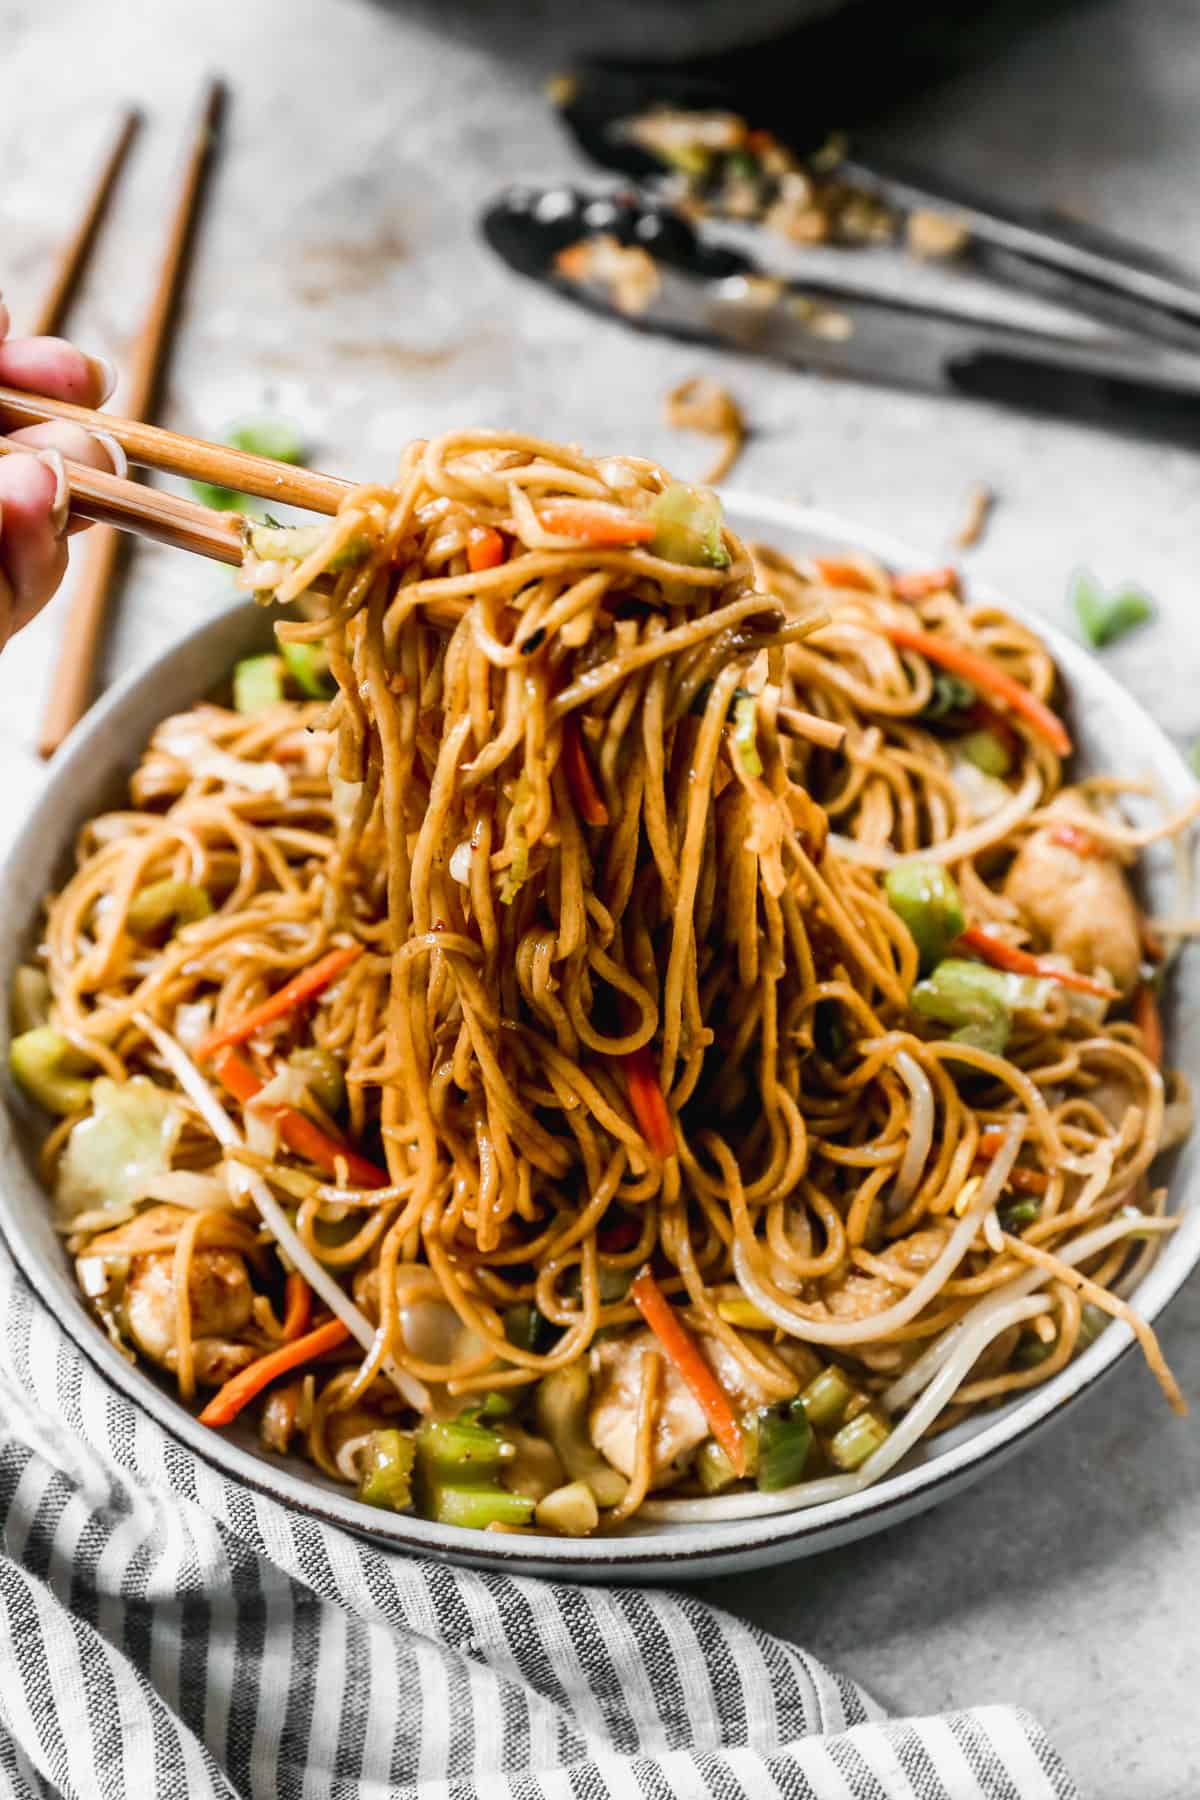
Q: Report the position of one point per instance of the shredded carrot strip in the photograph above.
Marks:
(486, 549)
(1148, 1020)
(684, 1353)
(1020, 962)
(229, 1400)
(983, 673)
(302, 987)
(300, 1133)
(297, 1306)
(649, 1103)
(1076, 838)
(842, 574)
(595, 522)
(586, 795)
(918, 584)
(1020, 1179)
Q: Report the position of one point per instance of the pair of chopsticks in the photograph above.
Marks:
(74, 674)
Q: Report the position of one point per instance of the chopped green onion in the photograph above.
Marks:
(1020, 1214)
(40, 1062)
(386, 1478)
(30, 999)
(323, 1076)
(950, 694)
(925, 897)
(784, 1442)
(859, 1438)
(1104, 617)
(825, 1399)
(988, 751)
(168, 901)
(308, 666)
(977, 1001)
(492, 1406)
(257, 683)
(745, 736)
(475, 1508)
(689, 522)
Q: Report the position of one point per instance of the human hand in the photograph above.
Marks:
(33, 500)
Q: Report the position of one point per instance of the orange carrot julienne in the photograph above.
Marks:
(983, 673)
(684, 1353)
(649, 1103)
(486, 549)
(1023, 1180)
(293, 993)
(299, 1133)
(297, 1305)
(1001, 955)
(843, 574)
(582, 782)
(240, 1389)
(1148, 1020)
(596, 522)
(918, 584)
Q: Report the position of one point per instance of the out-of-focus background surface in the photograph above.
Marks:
(339, 280)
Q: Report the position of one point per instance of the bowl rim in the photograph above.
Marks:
(673, 1550)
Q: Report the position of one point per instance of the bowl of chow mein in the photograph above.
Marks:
(589, 1028)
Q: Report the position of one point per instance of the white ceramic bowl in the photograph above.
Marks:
(1112, 732)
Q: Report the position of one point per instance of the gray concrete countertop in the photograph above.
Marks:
(338, 279)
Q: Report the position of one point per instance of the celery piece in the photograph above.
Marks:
(925, 897)
(987, 750)
(323, 1076)
(39, 1060)
(308, 666)
(713, 1468)
(296, 543)
(475, 1508)
(257, 683)
(689, 524)
(825, 1399)
(859, 1438)
(978, 1001)
(456, 1449)
(180, 902)
(387, 1470)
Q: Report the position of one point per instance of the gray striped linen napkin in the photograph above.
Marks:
(167, 1631)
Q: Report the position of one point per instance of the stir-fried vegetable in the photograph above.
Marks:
(986, 677)
(387, 1466)
(297, 1305)
(687, 527)
(308, 666)
(457, 1469)
(486, 549)
(299, 1133)
(125, 1141)
(784, 1442)
(987, 750)
(925, 896)
(1104, 617)
(296, 543)
(323, 1076)
(306, 986)
(950, 695)
(745, 736)
(1148, 1020)
(229, 1400)
(518, 869)
(1002, 955)
(41, 1061)
(648, 1102)
(560, 1407)
(528, 1328)
(588, 799)
(825, 1399)
(169, 901)
(683, 1351)
(858, 1438)
(596, 522)
(257, 683)
(978, 1002)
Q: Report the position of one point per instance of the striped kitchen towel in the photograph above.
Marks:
(167, 1632)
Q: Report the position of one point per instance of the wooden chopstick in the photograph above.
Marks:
(150, 447)
(74, 676)
(74, 253)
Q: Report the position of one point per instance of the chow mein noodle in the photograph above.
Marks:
(609, 1024)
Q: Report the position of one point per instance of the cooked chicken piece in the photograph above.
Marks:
(1080, 904)
(856, 1294)
(680, 1427)
(221, 1298)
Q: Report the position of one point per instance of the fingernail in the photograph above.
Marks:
(106, 375)
(60, 509)
(113, 451)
